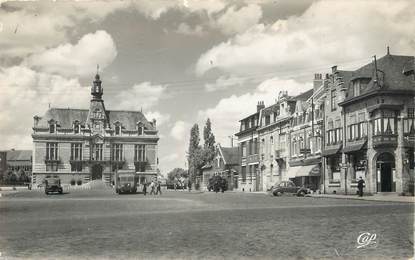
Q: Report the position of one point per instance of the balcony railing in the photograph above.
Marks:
(52, 160)
(381, 140)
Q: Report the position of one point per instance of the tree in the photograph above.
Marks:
(176, 173)
(209, 143)
(195, 153)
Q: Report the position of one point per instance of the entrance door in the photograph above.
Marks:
(96, 172)
(385, 166)
(386, 177)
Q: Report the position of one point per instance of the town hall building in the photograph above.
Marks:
(80, 145)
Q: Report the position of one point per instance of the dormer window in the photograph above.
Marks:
(76, 128)
(52, 127)
(140, 128)
(117, 130)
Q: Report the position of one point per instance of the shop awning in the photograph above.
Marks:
(332, 151)
(304, 171)
(291, 172)
(355, 147)
(308, 170)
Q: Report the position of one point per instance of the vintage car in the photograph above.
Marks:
(287, 187)
(126, 182)
(53, 184)
(217, 183)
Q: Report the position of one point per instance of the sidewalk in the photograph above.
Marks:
(377, 197)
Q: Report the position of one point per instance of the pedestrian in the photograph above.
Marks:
(152, 192)
(189, 185)
(360, 184)
(158, 191)
(145, 188)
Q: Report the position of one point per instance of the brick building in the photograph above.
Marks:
(225, 164)
(369, 121)
(89, 144)
(249, 175)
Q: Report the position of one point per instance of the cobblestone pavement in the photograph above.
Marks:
(181, 225)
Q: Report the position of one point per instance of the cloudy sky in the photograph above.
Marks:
(182, 61)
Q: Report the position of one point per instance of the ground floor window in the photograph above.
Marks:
(334, 166)
(243, 173)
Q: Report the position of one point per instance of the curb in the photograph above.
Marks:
(356, 198)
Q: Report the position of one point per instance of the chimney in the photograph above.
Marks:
(260, 106)
(387, 50)
(318, 81)
(334, 69)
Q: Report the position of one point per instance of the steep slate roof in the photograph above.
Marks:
(394, 67)
(304, 96)
(19, 155)
(230, 154)
(66, 116)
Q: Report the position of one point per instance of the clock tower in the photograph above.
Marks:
(97, 117)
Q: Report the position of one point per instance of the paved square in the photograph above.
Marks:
(101, 224)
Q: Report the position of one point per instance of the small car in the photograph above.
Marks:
(217, 183)
(287, 187)
(53, 184)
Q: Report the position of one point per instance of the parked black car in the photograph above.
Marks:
(53, 184)
(287, 187)
(217, 183)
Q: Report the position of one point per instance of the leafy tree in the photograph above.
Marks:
(209, 143)
(176, 173)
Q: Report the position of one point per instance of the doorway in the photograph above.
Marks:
(385, 166)
(96, 172)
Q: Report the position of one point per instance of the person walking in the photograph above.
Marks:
(360, 184)
(152, 192)
(145, 188)
(158, 191)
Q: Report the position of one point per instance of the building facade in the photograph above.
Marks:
(92, 144)
(249, 175)
(305, 137)
(377, 124)
(274, 140)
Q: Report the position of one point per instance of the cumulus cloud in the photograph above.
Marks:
(79, 59)
(358, 30)
(26, 93)
(161, 119)
(224, 82)
(186, 29)
(237, 21)
(32, 28)
(180, 130)
(228, 111)
(139, 96)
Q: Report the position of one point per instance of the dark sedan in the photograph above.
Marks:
(287, 187)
